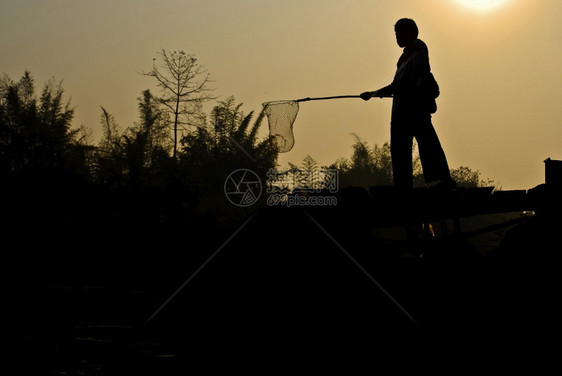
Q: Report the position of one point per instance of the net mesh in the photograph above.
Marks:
(281, 115)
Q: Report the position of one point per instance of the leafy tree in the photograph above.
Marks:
(35, 132)
(228, 143)
(134, 156)
(373, 166)
(362, 157)
(153, 139)
(109, 159)
(383, 162)
(310, 174)
(111, 139)
(307, 175)
(153, 123)
(466, 177)
(366, 166)
(184, 88)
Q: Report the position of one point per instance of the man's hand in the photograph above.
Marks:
(366, 95)
(381, 93)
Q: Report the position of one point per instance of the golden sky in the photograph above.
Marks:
(497, 63)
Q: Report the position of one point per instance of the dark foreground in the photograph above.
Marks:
(282, 289)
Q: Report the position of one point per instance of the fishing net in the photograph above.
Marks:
(281, 116)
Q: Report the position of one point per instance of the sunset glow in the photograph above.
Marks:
(482, 5)
(497, 63)
(298, 184)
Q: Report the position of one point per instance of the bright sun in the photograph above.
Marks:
(482, 5)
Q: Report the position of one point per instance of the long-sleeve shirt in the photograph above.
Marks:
(410, 86)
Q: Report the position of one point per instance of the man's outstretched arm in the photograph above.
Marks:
(385, 92)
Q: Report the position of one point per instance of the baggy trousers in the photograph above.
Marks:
(433, 160)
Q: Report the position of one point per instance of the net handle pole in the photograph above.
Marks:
(323, 98)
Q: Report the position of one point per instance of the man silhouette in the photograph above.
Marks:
(413, 91)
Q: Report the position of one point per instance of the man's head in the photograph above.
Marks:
(406, 31)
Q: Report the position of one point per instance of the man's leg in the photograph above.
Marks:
(432, 156)
(401, 140)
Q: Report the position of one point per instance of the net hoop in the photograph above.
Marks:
(281, 116)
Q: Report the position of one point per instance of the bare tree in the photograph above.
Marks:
(183, 83)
